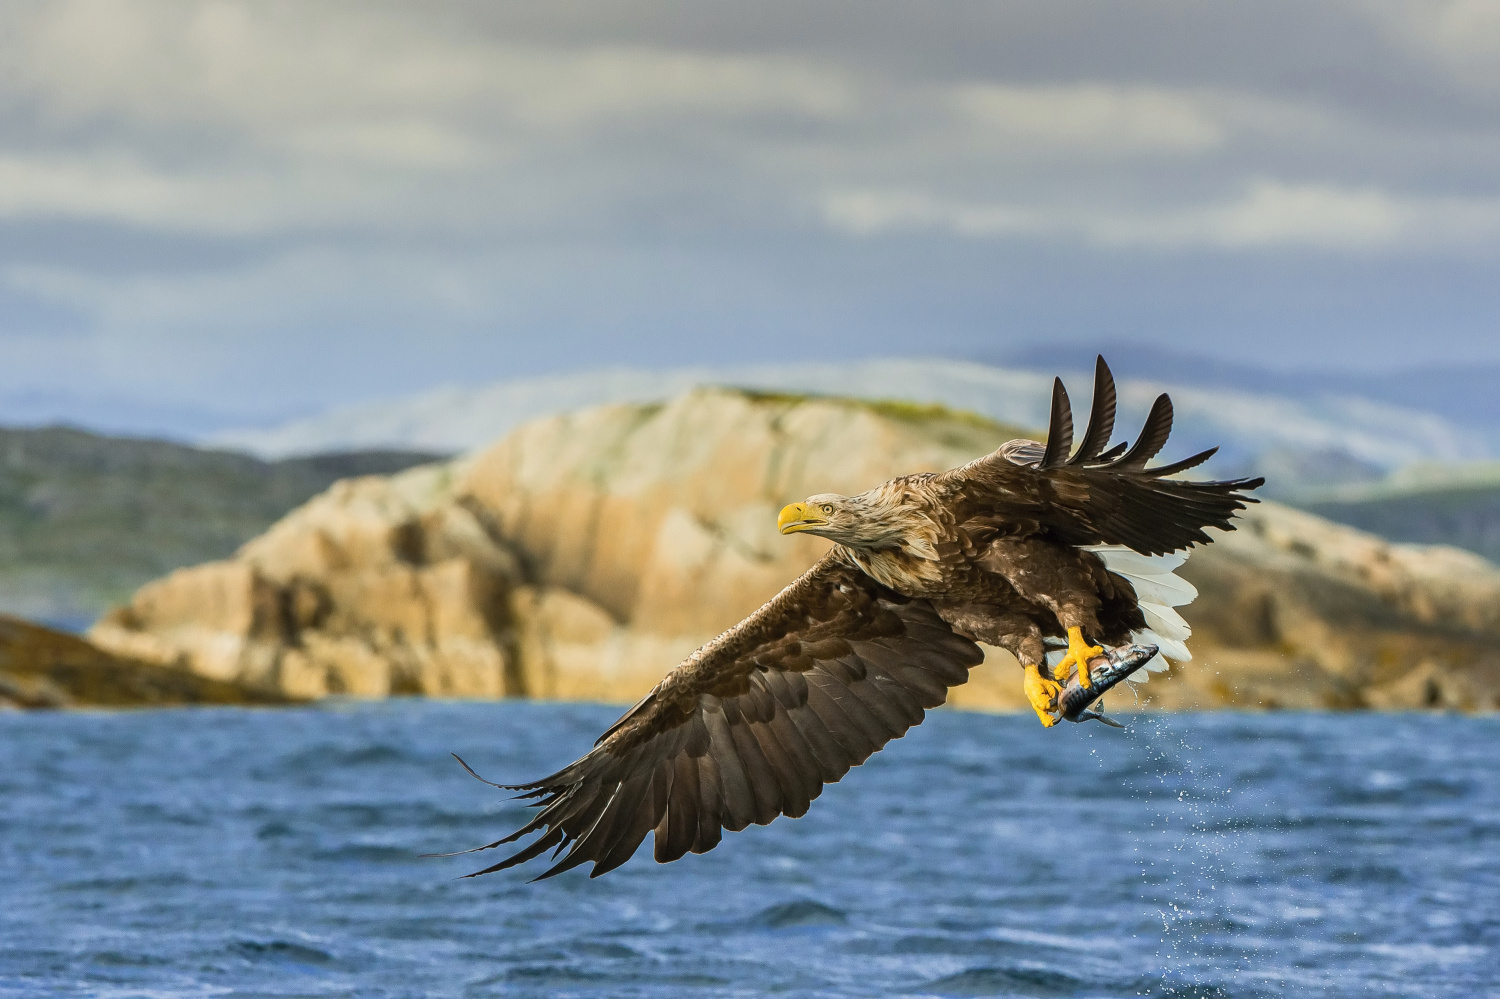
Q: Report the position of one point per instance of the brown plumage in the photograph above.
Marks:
(851, 654)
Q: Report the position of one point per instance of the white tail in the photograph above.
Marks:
(1159, 590)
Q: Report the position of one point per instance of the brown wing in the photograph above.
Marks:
(752, 725)
(1096, 496)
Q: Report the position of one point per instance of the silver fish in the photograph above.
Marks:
(1106, 671)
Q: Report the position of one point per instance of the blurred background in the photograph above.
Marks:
(247, 250)
(228, 215)
(353, 353)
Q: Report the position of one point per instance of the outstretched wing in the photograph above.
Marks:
(1096, 495)
(752, 725)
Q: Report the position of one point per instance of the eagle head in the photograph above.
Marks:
(862, 521)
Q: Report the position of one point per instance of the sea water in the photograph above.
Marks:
(275, 853)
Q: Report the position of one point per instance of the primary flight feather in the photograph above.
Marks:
(1030, 547)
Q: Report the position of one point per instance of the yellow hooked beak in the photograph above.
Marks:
(798, 517)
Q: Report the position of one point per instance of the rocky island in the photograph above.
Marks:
(584, 555)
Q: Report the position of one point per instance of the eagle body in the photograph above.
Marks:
(1007, 585)
(1036, 548)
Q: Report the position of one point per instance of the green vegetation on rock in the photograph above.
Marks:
(43, 668)
(919, 413)
(957, 428)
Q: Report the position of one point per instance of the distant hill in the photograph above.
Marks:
(1461, 393)
(1427, 503)
(1299, 439)
(1463, 516)
(86, 518)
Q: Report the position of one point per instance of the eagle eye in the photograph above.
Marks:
(827, 507)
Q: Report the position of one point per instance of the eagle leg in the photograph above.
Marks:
(1079, 654)
(1043, 694)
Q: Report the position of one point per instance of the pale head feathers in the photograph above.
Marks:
(886, 518)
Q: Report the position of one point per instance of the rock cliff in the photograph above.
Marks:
(585, 554)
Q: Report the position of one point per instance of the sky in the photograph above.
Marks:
(215, 214)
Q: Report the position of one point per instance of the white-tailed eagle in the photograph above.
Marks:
(1034, 545)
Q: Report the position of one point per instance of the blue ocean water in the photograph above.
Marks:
(274, 853)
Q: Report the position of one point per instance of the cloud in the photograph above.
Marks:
(1463, 36)
(276, 70)
(120, 189)
(512, 177)
(1269, 214)
(1322, 216)
(1091, 118)
(228, 118)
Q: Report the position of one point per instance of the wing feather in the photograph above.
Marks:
(865, 720)
(841, 726)
(763, 784)
(1059, 427)
(678, 829)
(1097, 497)
(712, 807)
(1101, 416)
(633, 823)
(1153, 436)
(832, 758)
(785, 767)
(752, 725)
(736, 795)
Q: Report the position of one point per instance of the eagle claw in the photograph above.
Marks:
(1043, 694)
(1079, 654)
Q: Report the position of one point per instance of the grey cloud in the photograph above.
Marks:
(321, 203)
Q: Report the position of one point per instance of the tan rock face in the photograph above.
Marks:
(585, 555)
(377, 587)
(623, 503)
(1298, 612)
(664, 517)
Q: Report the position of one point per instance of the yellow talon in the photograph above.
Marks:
(1042, 693)
(1079, 654)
